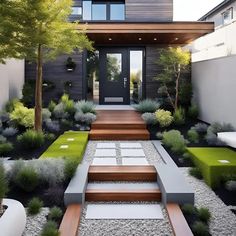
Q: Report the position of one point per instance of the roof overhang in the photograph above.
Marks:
(146, 33)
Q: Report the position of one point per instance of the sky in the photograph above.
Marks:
(190, 10)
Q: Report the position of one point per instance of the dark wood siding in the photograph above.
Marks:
(149, 10)
(55, 71)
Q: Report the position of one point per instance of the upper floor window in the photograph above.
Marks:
(227, 16)
(103, 10)
(76, 11)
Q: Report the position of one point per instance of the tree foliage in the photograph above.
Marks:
(175, 62)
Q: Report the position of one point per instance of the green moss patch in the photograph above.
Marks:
(213, 163)
(70, 145)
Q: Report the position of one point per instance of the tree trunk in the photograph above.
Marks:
(38, 93)
(177, 89)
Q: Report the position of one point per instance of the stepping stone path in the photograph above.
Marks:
(64, 146)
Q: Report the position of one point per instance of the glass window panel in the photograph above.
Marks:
(228, 16)
(99, 12)
(87, 10)
(76, 11)
(117, 12)
(136, 76)
(114, 66)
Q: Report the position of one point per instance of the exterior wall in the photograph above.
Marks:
(56, 72)
(12, 79)
(214, 84)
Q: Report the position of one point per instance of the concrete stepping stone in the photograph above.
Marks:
(132, 153)
(124, 211)
(135, 161)
(130, 145)
(64, 146)
(106, 145)
(70, 139)
(105, 153)
(104, 161)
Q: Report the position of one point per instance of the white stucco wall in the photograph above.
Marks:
(12, 76)
(214, 86)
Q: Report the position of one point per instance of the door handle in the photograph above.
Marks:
(125, 81)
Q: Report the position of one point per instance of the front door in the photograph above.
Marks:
(114, 76)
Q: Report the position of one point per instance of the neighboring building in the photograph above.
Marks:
(128, 36)
(213, 66)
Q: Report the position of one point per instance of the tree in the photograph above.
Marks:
(44, 33)
(175, 62)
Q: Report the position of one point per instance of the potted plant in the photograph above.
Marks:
(70, 64)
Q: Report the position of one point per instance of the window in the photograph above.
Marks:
(99, 11)
(227, 16)
(114, 62)
(117, 11)
(87, 10)
(76, 11)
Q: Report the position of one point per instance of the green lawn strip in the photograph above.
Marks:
(207, 159)
(75, 150)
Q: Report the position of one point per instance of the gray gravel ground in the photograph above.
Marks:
(223, 221)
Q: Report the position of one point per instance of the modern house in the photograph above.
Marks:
(128, 36)
(213, 66)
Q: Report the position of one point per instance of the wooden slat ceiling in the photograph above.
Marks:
(147, 33)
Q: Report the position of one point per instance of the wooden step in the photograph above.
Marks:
(96, 195)
(118, 125)
(119, 134)
(122, 173)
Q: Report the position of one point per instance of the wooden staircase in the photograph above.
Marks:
(119, 125)
(142, 174)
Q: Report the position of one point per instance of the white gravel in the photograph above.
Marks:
(223, 221)
(34, 224)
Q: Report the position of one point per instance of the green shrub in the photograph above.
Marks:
(147, 105)
(174, 140)
(26, 179)
(5, 148)
(3, 183)
(159, 135)
(164, 118)
(189, 209)
(69, 105)
(55, 213)
(200, 229)
(149, 118)
(23, 116)
(195, 172)
(204, 214)
(28, 93)
(50, 136)
(50, 229)
(51, 106)
(85, 107)
(34, 206)
(193, 136)
(179, 116)
(2, 139)
(193, 111)
(12, 104)
(70, 168)
(31, 139)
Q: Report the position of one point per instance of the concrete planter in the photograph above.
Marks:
(13, 221)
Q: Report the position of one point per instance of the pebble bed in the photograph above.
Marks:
(223, 221)
(34, 224)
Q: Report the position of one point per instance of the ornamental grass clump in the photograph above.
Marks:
(164, 118)
(85, 107)
(5, 148)
(179, 116)
(50, 229)
(147, 105)
(34, 206)
(193, 136)
(55, 213)
(149, 118)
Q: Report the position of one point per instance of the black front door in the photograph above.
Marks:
(114, 76)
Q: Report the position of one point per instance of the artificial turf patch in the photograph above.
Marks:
(75, 142)
(213, 163)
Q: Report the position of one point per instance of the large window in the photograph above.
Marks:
(76, 11)
(103, 10)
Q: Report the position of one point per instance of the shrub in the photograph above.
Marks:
(52, 125)
(174, 140)
(46, 114)
(193, 111)
(27, 179)
(50, 229)
(23, 116)
(147, 106)
(2, 139)
(85, 107)
(200, 229)
(50, 136)
(200, 128)
(69, 105)
(188, 209)
(59, 111)
(230, 185)
(179, 116)
(34, 206)
(55, 213)
(149, 118)
(159, 135)
(204, 214)
(9, 132)
(70, 169)
(164, 118)
(3, 183)
(12, 104)
(4, 116)
(87, 118)
(31, 139)
(51, 106)
(67, 123)
(5, 148)
(195, 172)
(193, 136)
